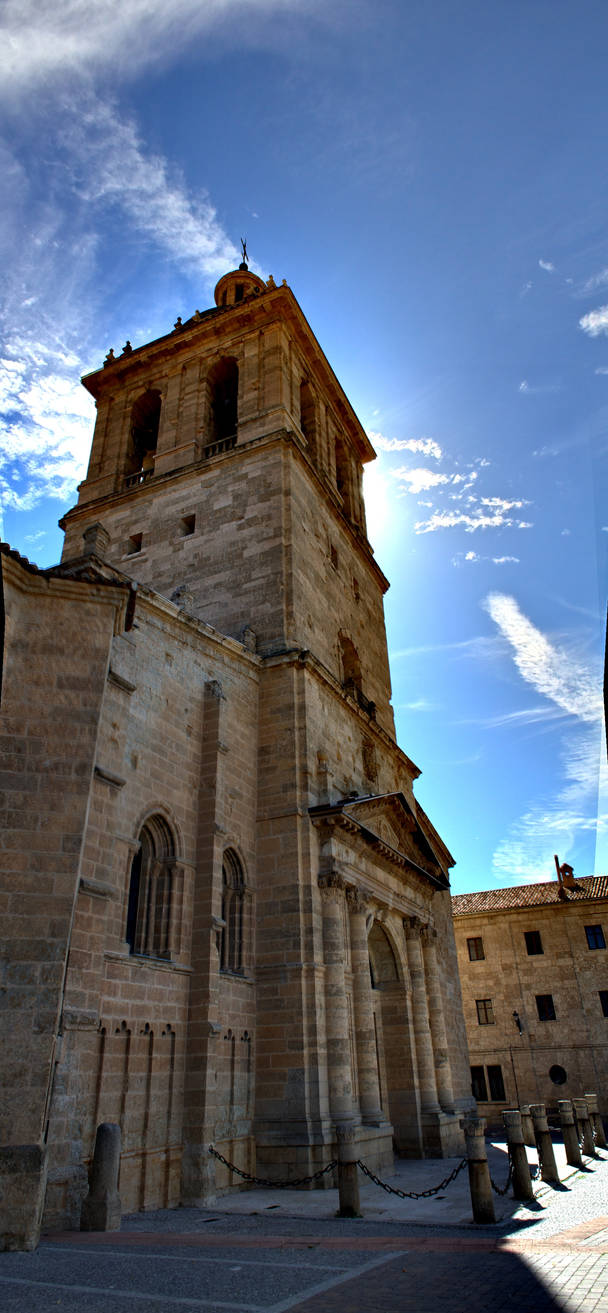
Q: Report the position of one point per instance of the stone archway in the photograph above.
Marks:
(395, 1044)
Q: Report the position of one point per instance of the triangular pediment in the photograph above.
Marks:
(389, 824)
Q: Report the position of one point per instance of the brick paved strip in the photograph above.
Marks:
(498, 1280)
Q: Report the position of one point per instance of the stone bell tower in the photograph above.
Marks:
(225, 476)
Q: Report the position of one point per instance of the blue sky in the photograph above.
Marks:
(430, 179)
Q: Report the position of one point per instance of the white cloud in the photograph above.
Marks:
(41, 41)
(524, 386)
(596, 322)
(110, 167)
(421, 446)
(474, 558)
(597, 280)
(547, 265)
(419, 480)
(602, 369)
(506, 560)
(477, 520)
(552, 671)
(572, 687)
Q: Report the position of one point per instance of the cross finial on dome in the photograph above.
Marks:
(244, 264)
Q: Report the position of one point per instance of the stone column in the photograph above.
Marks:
(420, 1016)
(336, 1009)
(443, 1073)
(570, 1133)
(365, 1034)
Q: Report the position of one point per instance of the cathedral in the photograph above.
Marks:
(225, 918)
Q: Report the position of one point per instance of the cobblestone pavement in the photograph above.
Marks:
(550, 1256)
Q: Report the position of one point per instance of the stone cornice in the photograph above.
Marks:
(332, 816)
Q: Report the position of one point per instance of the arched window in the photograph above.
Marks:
(233, 913)
(150, 911)
(223, 399)
(143, 432)
(308, 416)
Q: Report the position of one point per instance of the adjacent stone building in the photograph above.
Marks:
(225, 918)
(534, 972)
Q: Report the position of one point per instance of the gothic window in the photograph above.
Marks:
(233, 914)
(151, 910)
(224, 389)
(143, 433)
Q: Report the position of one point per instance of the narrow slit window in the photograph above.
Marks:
(134, 544)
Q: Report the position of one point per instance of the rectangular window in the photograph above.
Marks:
(187, 525)
(485, 1011)
(595, 936)
(545, 1007)
(478, 1085)
(134, 543)
(604, 1001)
(534, 943)
(496, 1083)
(475, 947)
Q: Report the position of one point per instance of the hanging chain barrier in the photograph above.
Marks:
(413, 1194)
(274, 1185)
(497, 1188)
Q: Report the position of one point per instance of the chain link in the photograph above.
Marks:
(413, 1194)
(496, 1188)
(273, 1185)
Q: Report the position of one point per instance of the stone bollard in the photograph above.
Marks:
(101, 1209)
(527, 1126)
(479, 1172)
(546, 1156)
(348, 1172)
(596, 1121)
(570, 1133)
(581, 1113)
(522, 1184)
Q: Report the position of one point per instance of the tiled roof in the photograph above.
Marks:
(530, 895)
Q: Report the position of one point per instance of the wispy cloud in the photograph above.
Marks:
(573, 689)
(474, 558)
(547, 266)
(596, 281)
(471, 522)
(419, 480)
(420, 446)
(602, 369)
(596, 322)
(42, 41)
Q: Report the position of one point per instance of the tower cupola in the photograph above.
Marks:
(237, 285)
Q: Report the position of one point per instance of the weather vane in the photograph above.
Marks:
(244, 249)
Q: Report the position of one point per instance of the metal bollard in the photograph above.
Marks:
(479, 1172)
(582, 1116)
(348, 1172)
(548, 1165)
(527, 1126)
(570, 1134)
(101, 1210)
(522, 1184)
(596, 1121)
